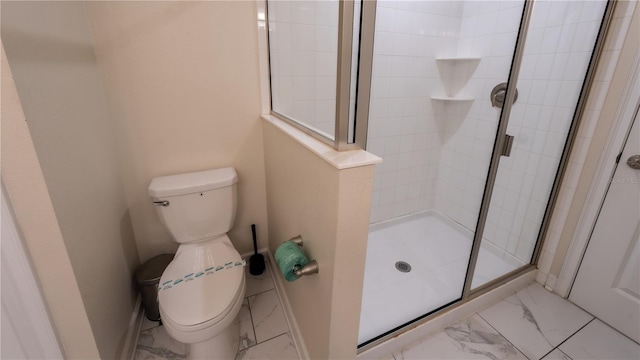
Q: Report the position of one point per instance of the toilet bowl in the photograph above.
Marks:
(201, 291)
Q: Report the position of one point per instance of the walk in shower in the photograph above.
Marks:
(473, 106)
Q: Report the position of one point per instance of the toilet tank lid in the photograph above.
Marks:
(189, 183)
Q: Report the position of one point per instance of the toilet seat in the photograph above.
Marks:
(201, 285)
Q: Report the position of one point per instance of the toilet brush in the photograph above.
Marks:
(256, 263)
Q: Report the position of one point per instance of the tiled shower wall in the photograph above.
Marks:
(441, 164)
(402, 126)
(436, 154)
(488, 30)
(557, 52)
(303, 39)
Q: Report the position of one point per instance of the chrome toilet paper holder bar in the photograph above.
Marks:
(311, 267)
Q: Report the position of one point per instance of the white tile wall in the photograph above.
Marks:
(402, 126)
(489, 32)
(303, 40)
(554, 65)
(436, 155)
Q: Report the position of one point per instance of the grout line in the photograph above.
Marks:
(595, 317)
(565, 354)
(269, 339)
(261, 292)
(253, 327)
(287, 331)
(556, 348)
(501, 334)
(549, 352)
(575, 332)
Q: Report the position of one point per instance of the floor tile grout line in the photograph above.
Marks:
(253, 327)
(564, 353)
(252, 322)
(595, 317)
(548, 352)
(501, 334)
(269, 339)
(260, 292)
(574, 333)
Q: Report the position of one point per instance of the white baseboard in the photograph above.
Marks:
(135, 324)
(385, 349)
(301, 347)
(542, 277)
(551, 283)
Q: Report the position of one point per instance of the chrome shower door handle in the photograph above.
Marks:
(634, 162)
(508, 144)
(498, 94)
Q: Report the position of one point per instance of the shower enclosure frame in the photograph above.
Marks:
(499, 144)
(342, 142)
(564, 160)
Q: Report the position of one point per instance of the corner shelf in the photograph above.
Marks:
(455, 59)
(452, 98)
(455, 72)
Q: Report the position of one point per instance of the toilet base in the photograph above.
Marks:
(223, 346)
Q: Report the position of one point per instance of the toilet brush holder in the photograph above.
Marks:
(256, 262)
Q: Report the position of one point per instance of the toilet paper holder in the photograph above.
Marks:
(311, 267)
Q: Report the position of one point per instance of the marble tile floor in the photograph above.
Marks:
(531, 324)
(264, 333)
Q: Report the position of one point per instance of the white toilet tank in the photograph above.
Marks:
(196, 206)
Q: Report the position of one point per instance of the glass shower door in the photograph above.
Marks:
(559, 47)
(430, 119)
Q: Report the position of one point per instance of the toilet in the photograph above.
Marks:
(201, 291)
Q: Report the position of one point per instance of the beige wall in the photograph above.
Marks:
(50, 50)
(182, 83)
(330, 209)
(26, 188)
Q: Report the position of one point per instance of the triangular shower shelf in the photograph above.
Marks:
(452, 98)
(455, 59)
(455, 72)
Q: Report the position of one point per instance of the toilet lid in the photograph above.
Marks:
(201, 283)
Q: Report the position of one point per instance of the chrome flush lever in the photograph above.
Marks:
(161, 203)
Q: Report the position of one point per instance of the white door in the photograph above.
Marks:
(25, 330)
(608, 282)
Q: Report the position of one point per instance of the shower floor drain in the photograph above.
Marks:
(403, 266)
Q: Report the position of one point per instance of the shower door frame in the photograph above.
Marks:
(564, 159)
(468, 294)
(498, 146)
(341, 140)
